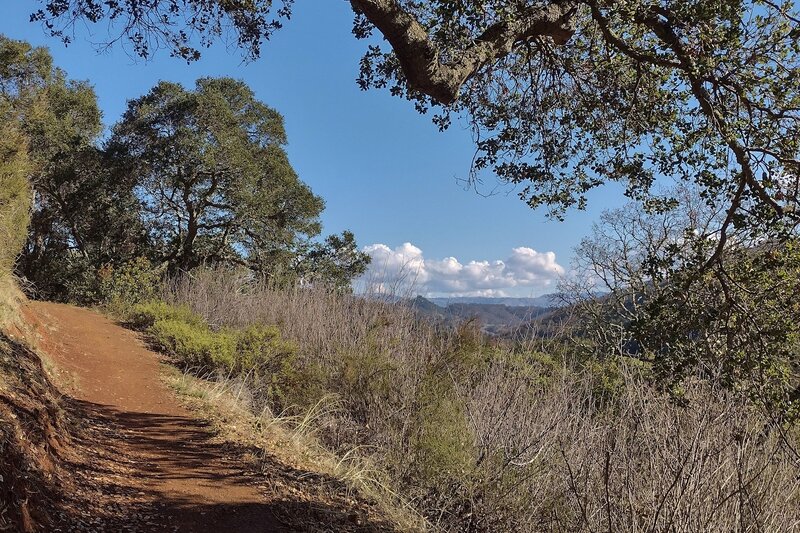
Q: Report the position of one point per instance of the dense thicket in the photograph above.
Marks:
(186, 178)
(478, 435)
(80, 218)
(735, 324)
(14, 191)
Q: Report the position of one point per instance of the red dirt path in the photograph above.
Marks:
(149, 449)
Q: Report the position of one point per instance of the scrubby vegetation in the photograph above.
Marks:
(480, 435)
(31, 421)
(256, 351)
(15, 165)
(14, 193)
(668, 401)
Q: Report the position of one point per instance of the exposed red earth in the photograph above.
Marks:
(146, 463)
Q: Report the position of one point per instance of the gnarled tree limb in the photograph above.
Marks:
(419, 56)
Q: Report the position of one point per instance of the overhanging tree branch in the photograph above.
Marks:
(419, 56)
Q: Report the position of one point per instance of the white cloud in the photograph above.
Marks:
(405, 269)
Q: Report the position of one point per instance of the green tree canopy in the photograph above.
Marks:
(79, 213)
(213, 176)
(60, 116)
(188, 177)
(637, 294)
(334, 262)
(563, 95)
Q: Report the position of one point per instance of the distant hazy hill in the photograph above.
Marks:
(494, 314)
(547, 300)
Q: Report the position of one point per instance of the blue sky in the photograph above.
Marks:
(385, 171)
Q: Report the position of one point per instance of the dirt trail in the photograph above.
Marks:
(158, 467)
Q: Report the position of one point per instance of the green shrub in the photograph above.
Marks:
(608, 377)
(443, 443)
(144, 315)
(364, 377)
(272, 364)
(68, 277)
(257, 353)
(14, 193)
(195, 345)
(130, 283)
(72, 277)
(259, 346)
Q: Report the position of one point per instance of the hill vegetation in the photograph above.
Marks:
(482, 435)
(187, 177)
(672, 402)
(29, 409)
(492, 318)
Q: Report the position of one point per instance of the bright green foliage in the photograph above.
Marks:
(214, 176)
(271, 363)
(256, 353)
(195, 345)
(606, 378)
(261, 347)
(144, 315)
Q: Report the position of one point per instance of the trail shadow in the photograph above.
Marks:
(132, 456)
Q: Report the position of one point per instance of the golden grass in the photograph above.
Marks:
(291, 439)
(10, 298)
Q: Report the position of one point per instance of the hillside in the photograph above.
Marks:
(545, 300)
(492, 317)
(185, 347)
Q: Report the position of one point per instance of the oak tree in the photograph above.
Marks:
(333, 262)
(81, 216)
(637, 294)
(213, 176)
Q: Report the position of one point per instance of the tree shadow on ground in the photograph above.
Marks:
(129, 460)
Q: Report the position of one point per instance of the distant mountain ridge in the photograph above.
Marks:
(495, 314)
(546, 300)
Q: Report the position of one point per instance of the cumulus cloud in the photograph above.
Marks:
(405, 269)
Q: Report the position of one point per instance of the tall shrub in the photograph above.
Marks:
(14, 192)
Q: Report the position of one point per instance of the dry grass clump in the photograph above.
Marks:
(290, 442)
(480, 436)
(11, 299)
